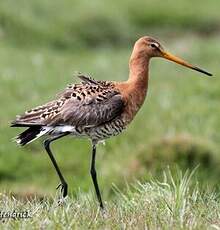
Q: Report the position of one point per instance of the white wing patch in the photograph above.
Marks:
(63, 129)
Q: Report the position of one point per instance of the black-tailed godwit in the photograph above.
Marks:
(94, 109)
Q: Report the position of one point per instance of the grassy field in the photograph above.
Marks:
(42, 44)
(171, 204)
(74, 24)
(187, 101)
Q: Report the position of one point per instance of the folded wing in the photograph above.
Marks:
(90, 103)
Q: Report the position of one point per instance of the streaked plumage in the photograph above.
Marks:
(94, 109)
(91, 109)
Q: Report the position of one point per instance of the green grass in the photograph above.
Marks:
(73, 24)
(187, 101)
(42, 44)
(173, 203)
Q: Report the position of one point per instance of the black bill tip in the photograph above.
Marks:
(201, 71)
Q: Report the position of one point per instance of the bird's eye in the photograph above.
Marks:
(153, 45)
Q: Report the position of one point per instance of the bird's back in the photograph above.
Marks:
(91, 108)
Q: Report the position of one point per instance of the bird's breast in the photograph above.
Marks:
(133, 100)
(106, 130)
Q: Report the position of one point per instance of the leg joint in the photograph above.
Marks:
(46, 144)
(93, 172)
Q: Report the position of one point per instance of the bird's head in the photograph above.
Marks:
(149, 47)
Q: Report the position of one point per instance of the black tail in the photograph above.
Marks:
(28, 135)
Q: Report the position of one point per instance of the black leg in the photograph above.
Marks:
(63, 184)
(94, 177)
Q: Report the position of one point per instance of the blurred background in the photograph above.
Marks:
(42, 44)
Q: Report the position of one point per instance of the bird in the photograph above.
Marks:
(95, 109)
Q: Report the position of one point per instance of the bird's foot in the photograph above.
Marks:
(103, 212)
(62, 201)
(63, 188)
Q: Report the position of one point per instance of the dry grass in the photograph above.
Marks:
(170, 204)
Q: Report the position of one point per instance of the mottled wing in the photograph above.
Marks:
(87, 104)
(38, 115)
(92, 112)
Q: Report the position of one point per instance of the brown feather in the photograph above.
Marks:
(87, 104)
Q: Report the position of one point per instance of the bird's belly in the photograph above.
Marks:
(106, 130)
(76, 132)
(97, 133)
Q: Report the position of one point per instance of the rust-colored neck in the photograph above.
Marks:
(138, 65)
(135, 88)
(138, 75)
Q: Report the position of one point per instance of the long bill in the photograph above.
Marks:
(178, 60)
